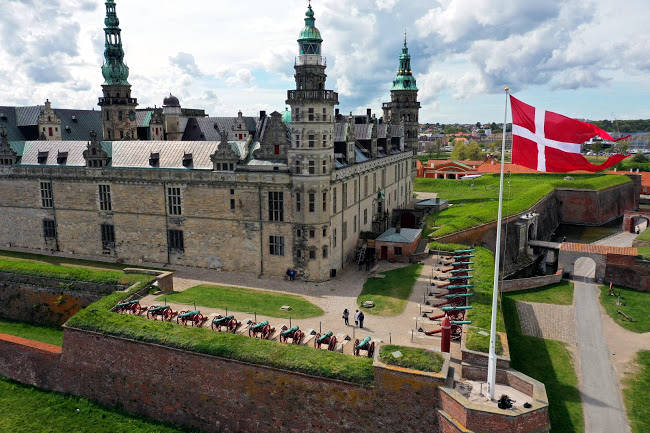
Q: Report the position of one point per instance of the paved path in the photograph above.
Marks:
(601, 397)
(547, 321)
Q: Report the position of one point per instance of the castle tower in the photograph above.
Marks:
(404, 107)
(311, 154)
(118, 108)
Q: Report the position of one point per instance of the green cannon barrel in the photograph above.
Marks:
(468, 256)
(159, 308)
(290, 331)
(260, 325)
(126, 304)
(469, 307)
(462, 263)
(364, 343)
(223, 319)
(464, 251)
(459, 295)
(461, 322)
(458, 271)
(459, 278)
(467, 286)
(189, 313)
(325, 336)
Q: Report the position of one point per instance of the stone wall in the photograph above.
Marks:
(628, 271)
(47, 301)
(530, 283)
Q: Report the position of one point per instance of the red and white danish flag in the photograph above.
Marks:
(550, 142)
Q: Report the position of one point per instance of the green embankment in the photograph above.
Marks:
(27, 409)
(475, 202)
(559, 294)
(417, 359)
(390, 293)
(245, 301)
(637, 393)
(98, 317)
(44, 334)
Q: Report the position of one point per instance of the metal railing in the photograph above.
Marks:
(311, 95)
(310, 59)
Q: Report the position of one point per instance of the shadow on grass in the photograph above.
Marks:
(549, 362)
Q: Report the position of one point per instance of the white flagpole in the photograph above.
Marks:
(492, 360)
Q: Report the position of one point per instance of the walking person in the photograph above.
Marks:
(361, 317)
(346, 317)
(356, 318)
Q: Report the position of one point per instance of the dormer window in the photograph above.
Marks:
(62, 158)
(42, 157)
(187, 160)
(74, 119)
(3, 116)
(154, 160)
(68, 129)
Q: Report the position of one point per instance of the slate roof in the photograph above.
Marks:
(359, 156)
(227, 123)
(28, 116)
(405, 236)
(339, 131)
(143, 118)
(74, 149)
(363, 131)
(13, 132)
(86, 121)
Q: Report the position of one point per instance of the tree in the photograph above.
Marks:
(622, 146)
(639, 157)
(459, 152)
(596, 147)
(473, 151)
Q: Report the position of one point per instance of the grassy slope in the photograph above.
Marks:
(635, 305)
(27, 409)
(645, 236)
(246, 301)
(476, 201)
(43, 334)
(417, 359)
(97, 317)
(637, 394)
(550, 362)
(391, 293)
(560, 294)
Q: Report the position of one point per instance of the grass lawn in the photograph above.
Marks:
(475, 201)
(637, 394)
(560, 294)
(44, 334)
(644, 252)
(97, 317)
(481, 342)
(644, 236)
(391, 293)
(550, 362)
(245, 301)
(57, 267)
(27, 409)
(417, 359)
(635, 305)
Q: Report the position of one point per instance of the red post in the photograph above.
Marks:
(445, 343)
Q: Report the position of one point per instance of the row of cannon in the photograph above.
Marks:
(449, 292)
(262, 329)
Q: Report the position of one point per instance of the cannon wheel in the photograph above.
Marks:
(167, 315)
(332, 346)
(266, 332)
(149, 315)
(297, 336)
(355, 350)
(232, 326)
(178, 319)
(316, 345)
(371, 349)
(198, 320)
(250, 331)
(137, 309)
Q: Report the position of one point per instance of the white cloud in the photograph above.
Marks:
(243, 77)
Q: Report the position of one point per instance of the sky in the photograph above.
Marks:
(587, 59)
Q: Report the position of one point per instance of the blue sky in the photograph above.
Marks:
(585, 58)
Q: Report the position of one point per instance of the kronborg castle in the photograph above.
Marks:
(172, 185)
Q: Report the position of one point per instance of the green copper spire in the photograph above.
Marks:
(404, 79)
(310, 38)
(114, 70)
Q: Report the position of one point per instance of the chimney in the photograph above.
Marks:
(262, 114)
(336, 112)
(398, 228)
(368, 114)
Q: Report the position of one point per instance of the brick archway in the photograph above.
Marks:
(571, 252)
(630, 216)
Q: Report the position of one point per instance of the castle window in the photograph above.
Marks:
(344, 229)
(276, 206)
(105, 198)
(334, 238)
(324, 140)
(276, 150)
(108, 238)
(334, 201)
(120, 115)
(188, 160)
(298, 233)
(325, 202)
(49, 229)
(154, 160)
(175, 241)
(312, 233)
(365, 216)
(108, 115)
(276, 245)
(324, 231)
(312, 141)
(47, 200)
(325, 251)
(312, 168)
(312, 202)
(354, 227)
(397, 251)
(174, 201)
(62, 158)
(50, 133)
(297, 142)
(365, 186)
(121, 134)
(298, 203)
(356, 189)
(312, 254)
(311, 114)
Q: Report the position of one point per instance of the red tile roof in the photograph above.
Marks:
(597, 249)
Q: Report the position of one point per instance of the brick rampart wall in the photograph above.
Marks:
(530, 283)
(628, 271)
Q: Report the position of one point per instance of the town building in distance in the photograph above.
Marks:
(174, 186)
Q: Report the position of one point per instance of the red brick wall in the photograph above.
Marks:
(628, 271)
(29, 362)
(596, 207)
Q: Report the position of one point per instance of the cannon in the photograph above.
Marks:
(132, 307)
(458, 271)
(453, 302)
(454, 295)
(456, 329)
(466, 277)
(454, 264)
(229, 322)
(471, 250)
(467, 256)
(195, 318)
(328, 338)
(294, 333)
(261, 329)
(366, 345)
(452, 314)
(163, 311)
